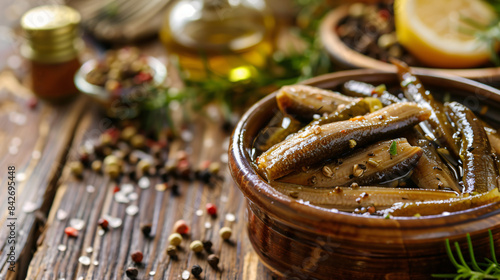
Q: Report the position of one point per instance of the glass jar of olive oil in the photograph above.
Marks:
(231, 39)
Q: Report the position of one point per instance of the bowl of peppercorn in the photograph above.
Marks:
(364, 36)
(121, 81)
(294, 232)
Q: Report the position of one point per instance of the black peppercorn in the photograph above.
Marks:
(213, 260)
(196, 270)
(146, 229)
(164, 175)
(175, 189)
(205, 176)
(132, 272)
(207, 245)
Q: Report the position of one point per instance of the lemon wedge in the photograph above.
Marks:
(439, 32)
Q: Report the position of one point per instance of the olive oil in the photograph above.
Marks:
(231, 39)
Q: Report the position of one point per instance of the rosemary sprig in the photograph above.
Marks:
(473, 270)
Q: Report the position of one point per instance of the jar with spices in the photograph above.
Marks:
(52, 46)
(224, 38)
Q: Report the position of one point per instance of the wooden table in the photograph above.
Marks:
(40, 142)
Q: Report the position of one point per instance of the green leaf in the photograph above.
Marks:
(393, 150)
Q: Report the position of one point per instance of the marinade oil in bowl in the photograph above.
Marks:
(298, 239)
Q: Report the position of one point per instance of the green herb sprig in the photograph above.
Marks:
(489, 269)
(393, 149)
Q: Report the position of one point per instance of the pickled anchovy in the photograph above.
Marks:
(303, 102)
(431, 172)
(438, 122)
(360, 89)
(356, 108)
(274, 133)
(475, 151)
(493, 137)
(374, 164)
(348, 199)
(319, 143)
(438, 207)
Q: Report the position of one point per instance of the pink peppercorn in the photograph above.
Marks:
(71, 232)
(32, 102)
(181, 227)
(137, 256)
(211, 209)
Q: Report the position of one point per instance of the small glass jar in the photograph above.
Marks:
(52, 45)
(224, 38)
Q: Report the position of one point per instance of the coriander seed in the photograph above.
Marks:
(196, 246)
(76, 168)
(96, 165)
(225, 233)
(175, 239)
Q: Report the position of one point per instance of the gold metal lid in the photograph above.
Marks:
(50, 18)
(51, 33)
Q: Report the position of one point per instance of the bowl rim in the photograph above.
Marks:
(259, 192)
(341, 53)
(159, 69)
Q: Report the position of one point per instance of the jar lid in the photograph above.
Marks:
(51, 33)
(49, 18)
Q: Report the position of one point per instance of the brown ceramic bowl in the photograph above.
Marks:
(307, 242)
(350, 59)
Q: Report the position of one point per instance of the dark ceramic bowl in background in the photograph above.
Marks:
(298, 240)
(351, 59)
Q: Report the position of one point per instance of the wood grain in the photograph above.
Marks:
(112, 250)
(43, 141)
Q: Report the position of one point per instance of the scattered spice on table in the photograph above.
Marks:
(137, 256)
(196, 246)
(181, 227)
(225, 233)
(175, 239)
(213, 260)
(196, 270)
(211, 209)
(207, 245)
(172, 251)
(103, 223)
(132, 272)
(71, 232)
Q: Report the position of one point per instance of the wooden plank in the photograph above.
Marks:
(35, 143)
(110, 253)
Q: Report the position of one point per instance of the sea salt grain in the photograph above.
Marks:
(90, 189)
(84, 260)
(61, 248)
(113, 222)
(144, 183)
(77, 224)
(29, 207)
(132, 210)
(230, 217)
(61, 215)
